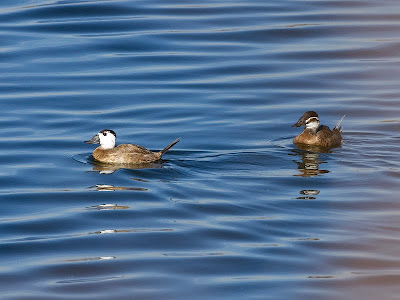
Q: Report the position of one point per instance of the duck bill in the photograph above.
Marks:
(93, 140)
(299, 123)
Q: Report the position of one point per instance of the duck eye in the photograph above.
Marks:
(105, 133)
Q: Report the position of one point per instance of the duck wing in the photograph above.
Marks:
(130, 148)
(329, 138)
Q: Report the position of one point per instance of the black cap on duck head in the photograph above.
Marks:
(106, 131)
(307, 115)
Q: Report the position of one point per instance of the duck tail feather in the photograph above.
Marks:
(170, 146)
(338, 124)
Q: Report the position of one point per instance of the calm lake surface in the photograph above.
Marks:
(235, 211)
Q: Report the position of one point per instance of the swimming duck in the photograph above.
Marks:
(316, 134)
(107, 152)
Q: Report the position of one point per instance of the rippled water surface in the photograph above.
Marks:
(235, 210)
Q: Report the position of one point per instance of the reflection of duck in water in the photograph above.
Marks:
(107, 152)
(111, 188)
(310, 164)
(308, 194)
(106, 168)
(317, 135)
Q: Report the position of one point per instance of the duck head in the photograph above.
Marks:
(309, 119)
(106, 138)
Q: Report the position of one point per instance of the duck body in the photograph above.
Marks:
(126, 154)
(107, 152)
(317, 135)
(323, 137)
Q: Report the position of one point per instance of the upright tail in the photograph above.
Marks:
(338, 124)
(169, 146)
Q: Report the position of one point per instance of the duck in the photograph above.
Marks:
(108, 153)
(316, 134)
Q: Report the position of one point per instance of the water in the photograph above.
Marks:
(235, 211)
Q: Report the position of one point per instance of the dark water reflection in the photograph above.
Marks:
(235, 211)
(310, 163)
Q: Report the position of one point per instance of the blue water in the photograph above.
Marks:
(235, 210)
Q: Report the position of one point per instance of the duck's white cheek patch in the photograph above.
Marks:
(312, 125)
(107, 142)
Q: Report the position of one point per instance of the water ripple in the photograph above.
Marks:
(235, 211)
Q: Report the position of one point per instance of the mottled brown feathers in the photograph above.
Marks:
(125, 154)
(321, 135)
(130, 148)
(128, 154)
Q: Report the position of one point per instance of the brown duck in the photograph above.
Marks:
(316, 134)
(107, 152)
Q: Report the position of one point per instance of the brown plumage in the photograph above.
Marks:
(124, 153)
(317, 135)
